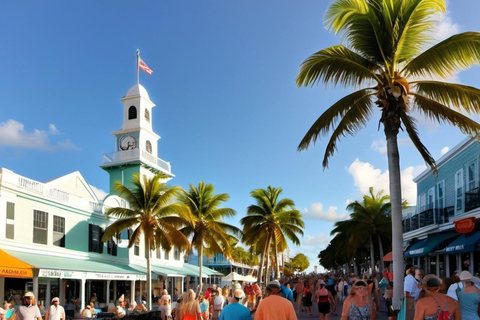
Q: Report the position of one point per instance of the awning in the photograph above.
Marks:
(11, 267)
(464, 243)
(71, 268)
(434, 241)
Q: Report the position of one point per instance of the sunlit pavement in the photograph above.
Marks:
(382, 315)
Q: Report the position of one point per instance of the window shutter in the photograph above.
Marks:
(90, 244)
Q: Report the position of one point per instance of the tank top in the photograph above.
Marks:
(359, 313)
(435, 316)
(322, 295)
(469, 305)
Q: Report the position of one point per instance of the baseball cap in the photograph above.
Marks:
(273, 284)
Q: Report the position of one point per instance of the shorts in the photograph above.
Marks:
(323, 307)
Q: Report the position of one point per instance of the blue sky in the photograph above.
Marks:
(228, 109)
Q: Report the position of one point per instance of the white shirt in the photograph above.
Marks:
(410, 286)
(55, 312)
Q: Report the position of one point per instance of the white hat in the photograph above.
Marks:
(274, 284)
(29, 294)
(465, 275)
(239, 294)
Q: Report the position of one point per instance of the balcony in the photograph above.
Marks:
(472, 199)
(427, 218)
(121, 157)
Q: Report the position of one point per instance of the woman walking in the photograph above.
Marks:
(468, 296)
(307, 298)
(324, 299)
(189, 309)
(434, 303)
(357, 305)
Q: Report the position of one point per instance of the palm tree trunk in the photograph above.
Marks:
(382, 254)
(200, 263)
(267, 266)
(277, 267)
(355, 267)
(372, 256)
(262, 262)
(396, 202)
(149, 273)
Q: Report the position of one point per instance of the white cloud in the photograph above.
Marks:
(99, 192)
(316, 212)
(366, 176)
(52, 129)
(380, 146)
(445, 28)
(319, 240)
(444, 150)
(14, 135)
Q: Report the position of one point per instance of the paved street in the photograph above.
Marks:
(382, 315)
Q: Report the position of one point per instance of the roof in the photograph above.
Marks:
(137, 90)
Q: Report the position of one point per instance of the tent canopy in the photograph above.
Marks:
(233, 276)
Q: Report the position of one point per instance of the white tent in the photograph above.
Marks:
(233, 276)
(250, 279)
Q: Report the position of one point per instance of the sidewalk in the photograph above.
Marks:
(382, 315)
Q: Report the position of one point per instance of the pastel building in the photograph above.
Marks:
(50, 232)
(441, 233)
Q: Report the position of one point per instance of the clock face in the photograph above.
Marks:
(127, 143)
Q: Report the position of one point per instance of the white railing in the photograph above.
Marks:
(58, 194)
(95, 207)
(135, 154)
(30, 184)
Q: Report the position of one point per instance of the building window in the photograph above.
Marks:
(166, 254)
(132, 113)
(459, 190)
(95, 243)
(59, 231)
(147, 115)
(136, 247)
(10, 222)
(431, 199)
(471, 176)
(149, 147)
(158, 254)
(176, 254)
(40, 224)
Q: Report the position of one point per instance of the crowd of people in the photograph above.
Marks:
(352, 297)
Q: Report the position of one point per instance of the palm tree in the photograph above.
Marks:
(383, 56)
(269, 223)
(152, 213)
(209, 234)
(370, 218)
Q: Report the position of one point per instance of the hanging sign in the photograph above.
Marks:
(465, 225)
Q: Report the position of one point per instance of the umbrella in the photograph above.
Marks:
(388, 257)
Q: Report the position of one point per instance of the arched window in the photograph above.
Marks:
(132, 113)
(149, 147)
(147, 115)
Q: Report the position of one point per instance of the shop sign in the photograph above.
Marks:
(465, 225)
(459, 247)
(114, 276)
(11, 272)
(61, 274)
(416, 251)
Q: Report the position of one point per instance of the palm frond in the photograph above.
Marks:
(460, 97)
(440, 113)
(355, 119)
(335, 65)
(456, 53)
(411, 127)
(418, 18)
(118, 226)
(359, 99)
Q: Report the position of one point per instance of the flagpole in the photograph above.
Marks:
(138, 73)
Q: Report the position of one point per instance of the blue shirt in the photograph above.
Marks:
(286, 293)
(235, 311)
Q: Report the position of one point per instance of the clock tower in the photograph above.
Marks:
(136, 143)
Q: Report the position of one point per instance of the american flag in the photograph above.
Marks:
(142, 65)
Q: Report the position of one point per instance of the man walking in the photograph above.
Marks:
(28, 310)
(55, 311)
(234, 310)
(275, 307)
